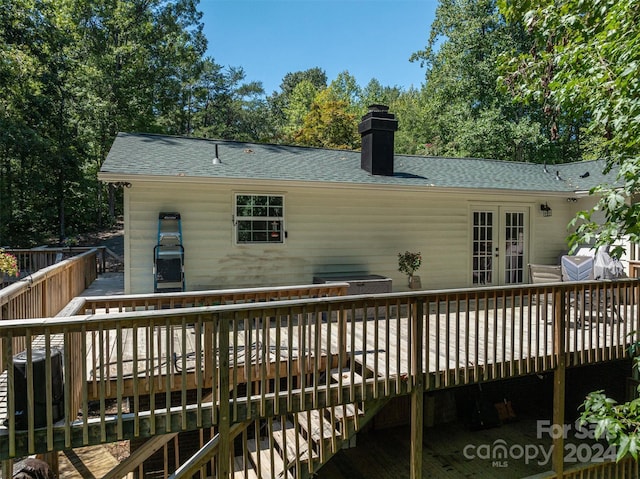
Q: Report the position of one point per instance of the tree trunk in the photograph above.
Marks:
(112, 202)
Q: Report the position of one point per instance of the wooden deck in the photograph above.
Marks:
(209, 350)
(461, 345)
(166, 352)
(91, 462)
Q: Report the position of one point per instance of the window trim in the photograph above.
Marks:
(237, 220)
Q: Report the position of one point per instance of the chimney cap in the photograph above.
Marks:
(378, 107)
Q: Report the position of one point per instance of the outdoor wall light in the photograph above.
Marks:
(572, 200)
(546, 209)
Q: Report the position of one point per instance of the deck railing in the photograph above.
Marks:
(44, 293)
(627, 468)
(36, 259)
(264, 359)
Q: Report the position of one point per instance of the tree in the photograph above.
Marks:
(585, 63)
(279, 102)
(344, 88)
(298, 106)
(40, 153)
(413, 126)
(465, 114)
(316, 76)
(374, 93)
(329, 124)
(227, 107)
(74, 74)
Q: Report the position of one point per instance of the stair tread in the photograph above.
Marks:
(290, 433)
(347, 411)
(264, 451)
(327, 430)
(346, 376)
(238, 467)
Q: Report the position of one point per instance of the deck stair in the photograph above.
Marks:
(290, 439)
(240, 472)
(297, 445)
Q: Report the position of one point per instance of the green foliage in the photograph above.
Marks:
(329, 124)
(619, 424)
(375, 93)
(584, 63)
(298, 106)
(73, 75)
(279, 102)
(466, 112)
(345, 88)
(316, 76)
(409, 263)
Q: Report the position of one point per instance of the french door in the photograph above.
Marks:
(500, 241)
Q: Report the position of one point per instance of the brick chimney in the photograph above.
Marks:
(377, 130)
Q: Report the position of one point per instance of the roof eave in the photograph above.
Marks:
(118, 178)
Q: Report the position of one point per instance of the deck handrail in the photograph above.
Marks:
(84, 263)
(182, 299)
(469, 335)
(626, 468)
(31, 260)
(46, 292)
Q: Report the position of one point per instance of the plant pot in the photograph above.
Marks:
(414, 282)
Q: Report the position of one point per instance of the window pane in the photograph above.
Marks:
(259, 237)
(482, 247)
(261, 218)
(275, 211)
(259, 225)
(515, 248)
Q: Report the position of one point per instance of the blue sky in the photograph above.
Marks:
(368, 38)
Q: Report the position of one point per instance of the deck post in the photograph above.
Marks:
(7, 468)
(224, 415)
(560, 312)
(417, 392)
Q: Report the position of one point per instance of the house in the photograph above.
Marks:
(262, 214)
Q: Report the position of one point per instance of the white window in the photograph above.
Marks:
(259, 219)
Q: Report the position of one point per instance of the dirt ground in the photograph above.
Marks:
(112, 238)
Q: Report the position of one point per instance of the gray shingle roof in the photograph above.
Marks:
(146, 155)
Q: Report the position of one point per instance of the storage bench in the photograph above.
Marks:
(359, 283)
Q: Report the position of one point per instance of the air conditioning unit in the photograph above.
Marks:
(38, 371)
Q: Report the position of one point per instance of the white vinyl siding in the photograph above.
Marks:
(330, 229)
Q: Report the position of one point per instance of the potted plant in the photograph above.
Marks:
(8, 265)
(408, 263)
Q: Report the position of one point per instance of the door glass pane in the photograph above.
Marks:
(514, 248)
(482, 247)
